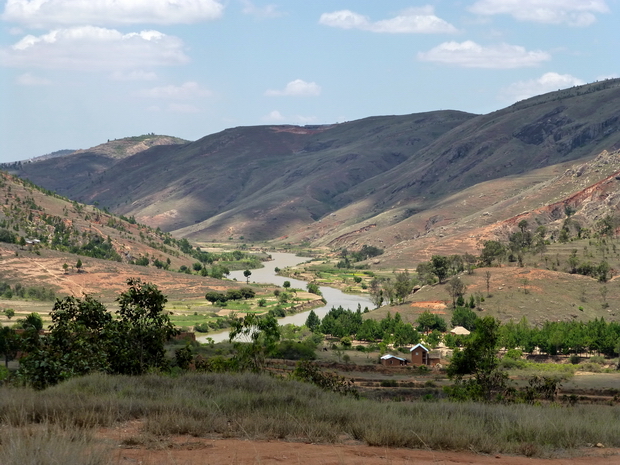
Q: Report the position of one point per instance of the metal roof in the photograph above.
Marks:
(418, 345)
(388, 356)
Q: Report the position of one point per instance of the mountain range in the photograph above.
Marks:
(414, 184)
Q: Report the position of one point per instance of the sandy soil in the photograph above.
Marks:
(182, 450)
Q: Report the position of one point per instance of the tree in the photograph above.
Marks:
(440, 267)
(428, 322)
(78, 343)
(247, 274)
(491, 251)
(403, 285)
(464, 317)
(456, 288)
(375, 291)
(487, 277)
(254, 337)
(33, 321)
(214, 297)
(478, 358)
(286, 285)
(141, 329)
(65, 267)
(9, 313)
(313, 288)
(313, 321)
(78, 265)
(9, 344)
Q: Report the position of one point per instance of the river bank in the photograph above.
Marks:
(334, 297)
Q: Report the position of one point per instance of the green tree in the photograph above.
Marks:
(78, 265)
(141, 329)
(65, 267)
(492, 251)
(313, 288)
(478, 358)
(403, 285)
(33, 321)
(254, 337)
(464, 317)
(10, 343)
(215, 297)
(440, 267)
(77, 343)
(427, 321)
(9, 313)
(286, 285)
(247, 274)
(313, 321)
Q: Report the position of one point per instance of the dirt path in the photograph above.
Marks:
(131, 446)
(234, 451)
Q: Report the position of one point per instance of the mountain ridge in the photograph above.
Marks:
(314, 184)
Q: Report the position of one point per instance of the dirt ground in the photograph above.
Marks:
(130, 447)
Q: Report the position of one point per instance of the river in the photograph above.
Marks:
(267, 274)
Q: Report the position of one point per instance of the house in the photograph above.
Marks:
(419, 355)
(393, 360)
(460, 331)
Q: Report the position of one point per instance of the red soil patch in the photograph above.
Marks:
(434, 304)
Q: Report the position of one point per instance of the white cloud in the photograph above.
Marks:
(411, 21)
(274, 117)
(44, 13)
(136, 75)
(571, 12)
(469, 54)
(94, 48)
(548, 82)
(187, 90)
(297, 88)
(262, 12)
(28, 79)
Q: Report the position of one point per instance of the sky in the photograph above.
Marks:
(76, 73)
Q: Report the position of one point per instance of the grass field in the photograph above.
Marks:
(262, 407)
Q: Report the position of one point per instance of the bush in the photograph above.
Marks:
(295, 350)
(389, 383)
(202, 328)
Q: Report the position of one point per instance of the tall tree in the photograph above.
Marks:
(456, 288)
(478, 358)
(313, 321)
(440, 267)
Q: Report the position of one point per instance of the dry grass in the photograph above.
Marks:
(50, 444)
(262, 407)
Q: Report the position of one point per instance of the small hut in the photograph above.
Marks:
(393, 360)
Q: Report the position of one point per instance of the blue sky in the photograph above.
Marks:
(75, 73)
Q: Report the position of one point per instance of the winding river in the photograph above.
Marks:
(334, 297)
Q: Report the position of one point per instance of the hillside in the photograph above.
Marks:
(55, 173)
(40, 232)
(384, 180)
